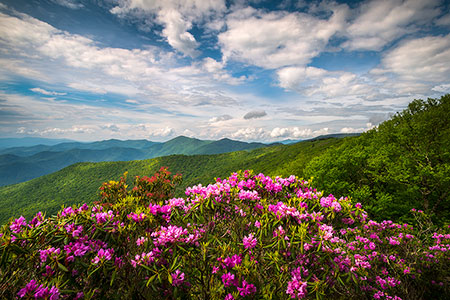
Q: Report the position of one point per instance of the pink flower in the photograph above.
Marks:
(17, 224)
(228, 279)
(140, 241)
(296, 287)
(232, 261)
(229, 297)
(103, 254)
(177, 278)
(249, 241)
(31, 286)
(137, 218)
(257, 224)
(246, 289)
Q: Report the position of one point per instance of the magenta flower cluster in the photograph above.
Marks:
(247, 236)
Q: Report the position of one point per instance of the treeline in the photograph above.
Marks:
(402, 164)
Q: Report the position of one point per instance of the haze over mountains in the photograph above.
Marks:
(20, 164)
(27, 158)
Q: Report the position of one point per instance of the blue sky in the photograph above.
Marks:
(247, 70)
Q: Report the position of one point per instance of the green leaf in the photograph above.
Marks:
(62, 267)
(150, 280)
(92, 272)
(113, 277)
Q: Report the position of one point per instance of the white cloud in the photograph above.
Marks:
(162, 132)
(72, 4)
(56, 131)
(417, 65)
(250, 134)
(420, 59)
(111, 127)
(443, 88)
(316, 81)
(220, 118)
(177, 17)
(357, 130)
(296, 132)
(147, 75)
(132, 101)
(47, 93)
(217, 71)
(293, 132)
(277, 133)
(276, 39)
(379, 22)
(292, 77)
(16, 67)
(176, 32)
(255, 114)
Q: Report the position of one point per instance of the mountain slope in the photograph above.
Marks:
(219, 146)
(78, 183)
(25, 163)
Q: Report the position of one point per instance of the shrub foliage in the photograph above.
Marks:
(244, 237)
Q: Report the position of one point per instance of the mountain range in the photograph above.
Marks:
(79, 182)
(18, 164)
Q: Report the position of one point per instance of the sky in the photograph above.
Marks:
(246, 70)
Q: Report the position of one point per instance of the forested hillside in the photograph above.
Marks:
(80, 182)
(404, 163)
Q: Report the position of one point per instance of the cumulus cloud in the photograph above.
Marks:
(276, 39)
(80, 63)
(296, 132)
(176, 32)
(177, 17)
(217, 71)
(277, 133)
(380, 22)
(255, 114)
(249, 134)
(47, 93)
(220, 118)
(419, 65)
(316, 81)
(161, 132)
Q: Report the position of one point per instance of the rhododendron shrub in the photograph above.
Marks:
(244, 237)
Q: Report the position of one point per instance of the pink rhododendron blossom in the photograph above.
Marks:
(16, 226)
(228, 279)
(103, 254)
(140, 241)
(249, 241)
(246, 289)
(177, 278)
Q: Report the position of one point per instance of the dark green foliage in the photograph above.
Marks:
(79, 183)
(402, 164)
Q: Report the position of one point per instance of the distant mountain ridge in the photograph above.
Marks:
(29, 141)
(20, 164)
